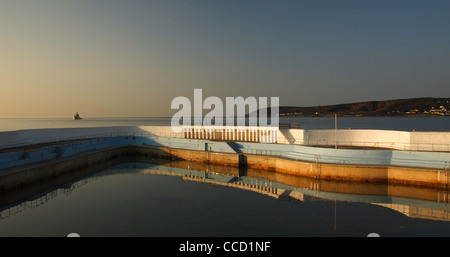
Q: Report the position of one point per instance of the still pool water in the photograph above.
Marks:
(186, 199)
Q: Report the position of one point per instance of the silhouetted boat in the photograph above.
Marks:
(77, 116)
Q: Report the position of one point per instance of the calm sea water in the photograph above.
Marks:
(143, 199)
(387, 123)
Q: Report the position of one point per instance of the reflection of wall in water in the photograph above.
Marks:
(41, 199)
(258, 185)
(419, 212)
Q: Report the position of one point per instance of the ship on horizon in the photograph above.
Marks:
(77, 116)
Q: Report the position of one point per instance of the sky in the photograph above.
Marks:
(131, 58)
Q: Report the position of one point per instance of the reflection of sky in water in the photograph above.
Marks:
(123, 203)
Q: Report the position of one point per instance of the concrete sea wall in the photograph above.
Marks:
(31, 155)
(399, 140)
(23, 175)
(387, 157)
(353, 173)
(388, 139)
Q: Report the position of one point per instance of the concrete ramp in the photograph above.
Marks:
(235, 147)
(287, 134)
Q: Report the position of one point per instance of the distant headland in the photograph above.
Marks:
(426, 106)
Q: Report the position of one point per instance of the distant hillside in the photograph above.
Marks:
(399, 107)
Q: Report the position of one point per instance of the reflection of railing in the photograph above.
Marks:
(38, 201)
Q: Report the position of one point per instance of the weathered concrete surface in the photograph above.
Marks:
(374, 174)
(26, 175)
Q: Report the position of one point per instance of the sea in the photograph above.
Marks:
(423, 123)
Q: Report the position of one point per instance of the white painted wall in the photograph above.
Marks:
(430, 141)
(401, 140)
(368, 138)
(163, 131)
(34, 136)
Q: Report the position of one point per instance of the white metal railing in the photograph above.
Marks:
(433, 147)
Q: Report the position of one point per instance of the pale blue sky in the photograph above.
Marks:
(131, 58)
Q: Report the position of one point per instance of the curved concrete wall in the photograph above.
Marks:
(120, 136)
(36, 136)
(399, 140)
(24, 157)
(438, 160)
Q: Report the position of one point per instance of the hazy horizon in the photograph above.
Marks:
(115, 58)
